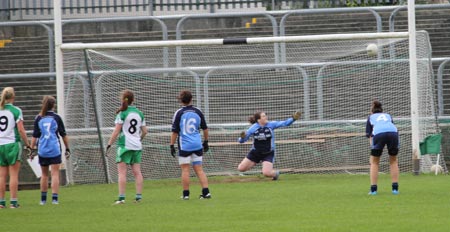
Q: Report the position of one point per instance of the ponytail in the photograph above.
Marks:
(127, 97)
(7, 94)
(48, 103)
(255, 117)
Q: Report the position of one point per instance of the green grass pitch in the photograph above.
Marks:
(295, 203)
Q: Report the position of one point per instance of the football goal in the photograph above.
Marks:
(332, 79)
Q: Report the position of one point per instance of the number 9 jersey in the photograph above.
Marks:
(187, 122)
(132, 120)
(9, 117)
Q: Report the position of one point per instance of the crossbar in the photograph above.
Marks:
(254, 40)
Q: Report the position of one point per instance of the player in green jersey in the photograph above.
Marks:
(11, 133)
(130, 129)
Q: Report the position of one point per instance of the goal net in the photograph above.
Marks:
(330, 79)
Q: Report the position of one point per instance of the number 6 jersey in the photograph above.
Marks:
(132, 120)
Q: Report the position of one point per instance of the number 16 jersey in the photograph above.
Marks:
(132, 120)
(187, 122)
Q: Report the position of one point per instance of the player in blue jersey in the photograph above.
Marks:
(11, 131)
(131, 130)
(382, 132)
(186, 125)
(263, 148)
(48, 127)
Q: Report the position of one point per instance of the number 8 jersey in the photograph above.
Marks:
(132, 120)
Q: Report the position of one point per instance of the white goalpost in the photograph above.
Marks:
(331, 78)
(59, 75)
(415, 138)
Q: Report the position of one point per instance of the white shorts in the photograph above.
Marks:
(194, 159)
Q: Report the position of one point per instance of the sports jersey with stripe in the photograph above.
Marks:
(9, 117)
(378, 123)
(187, 122)
(132, 119)
(47, 130)
(264, 136)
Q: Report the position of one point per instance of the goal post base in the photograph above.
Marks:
(416, 166)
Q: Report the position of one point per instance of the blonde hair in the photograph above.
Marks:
(48, 102)
(7, 94)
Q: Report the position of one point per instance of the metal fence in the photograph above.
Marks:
(277, 24)
(284, 20)
(43, 9)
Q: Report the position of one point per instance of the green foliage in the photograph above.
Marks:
(295, 203)
(363, 3)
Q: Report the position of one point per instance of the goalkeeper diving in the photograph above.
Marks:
(263, 148)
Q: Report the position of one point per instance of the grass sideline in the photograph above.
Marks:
(295, 203)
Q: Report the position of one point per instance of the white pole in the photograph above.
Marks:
(57, 27)
(413, 85)
(255, 40)
(437, 164)
(59, 58)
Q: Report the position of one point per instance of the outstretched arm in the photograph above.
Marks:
(276, 124)
(245, 135)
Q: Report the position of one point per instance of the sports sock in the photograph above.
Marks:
(185, 193)
(205, 191)
(43, 196)
(121, 197)
(373, 188)
(2, 202)
(138, 196)
(54, 197)
(395, 186)
(13, 201)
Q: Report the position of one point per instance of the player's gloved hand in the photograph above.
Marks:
(296, 115)
(32, 153)
(242, 135)
(173, 151)
(67, 153)
(205, 146)
(107, 149)
(28, 151)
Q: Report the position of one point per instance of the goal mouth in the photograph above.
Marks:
(331, 79)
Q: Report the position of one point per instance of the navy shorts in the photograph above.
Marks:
(46, 161)
(257, 157)
(189, 153)
(389, 139)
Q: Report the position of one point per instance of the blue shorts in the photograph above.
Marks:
(46, 161)
(389, 139)
(257, 157)
(189, 153)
